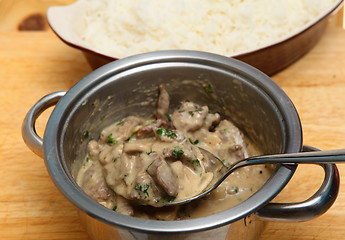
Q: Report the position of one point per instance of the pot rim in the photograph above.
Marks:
(65, 183)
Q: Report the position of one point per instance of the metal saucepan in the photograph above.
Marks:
(248, 97)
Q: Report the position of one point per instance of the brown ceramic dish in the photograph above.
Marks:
(269, 59)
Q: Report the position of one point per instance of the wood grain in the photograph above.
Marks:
(33, 64)
(13, 12)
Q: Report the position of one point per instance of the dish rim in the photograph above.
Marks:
(54, 21)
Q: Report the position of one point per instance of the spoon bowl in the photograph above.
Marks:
(221, 172)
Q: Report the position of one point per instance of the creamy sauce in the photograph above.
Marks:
(138, 164)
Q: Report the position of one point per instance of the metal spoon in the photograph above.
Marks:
(222, 172)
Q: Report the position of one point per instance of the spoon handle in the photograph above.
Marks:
(331, 156)
(313, 157)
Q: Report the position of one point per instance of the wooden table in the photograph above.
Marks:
(33, 64)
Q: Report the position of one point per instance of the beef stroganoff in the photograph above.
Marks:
(139, 164)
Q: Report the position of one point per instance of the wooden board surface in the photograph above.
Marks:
(33, 64)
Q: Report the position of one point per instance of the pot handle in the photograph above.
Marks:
(30, 136)
(311, 208)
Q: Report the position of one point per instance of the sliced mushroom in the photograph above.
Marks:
(120, 131)
(93, 150)
(138, 146)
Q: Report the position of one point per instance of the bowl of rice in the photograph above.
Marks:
(269, 34)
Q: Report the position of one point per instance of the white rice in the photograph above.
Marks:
(121, 28)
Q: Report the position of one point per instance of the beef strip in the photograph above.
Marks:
(233, 143)
(165, 177)
(93, 183)
(145, 188)
(148, 131)
(163, 103)
(183, 150)
(236, 152)
(189, 117)
(123, 206)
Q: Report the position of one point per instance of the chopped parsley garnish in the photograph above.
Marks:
(130, 138)
(150, 165)
(111, 140)
(196, 110)
(208, 88)
(177, 152)
(86, 134)
(114, 208)
(142, 189)
(102, 118)
(121, 122)
(148, 153)
(116, 158)
(195, 162)
(87, 160)
(166, 199)
(166, 132)
(168, 117)
(193, 142)
(235, 189)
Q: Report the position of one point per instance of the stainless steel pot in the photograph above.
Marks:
(129, 86)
